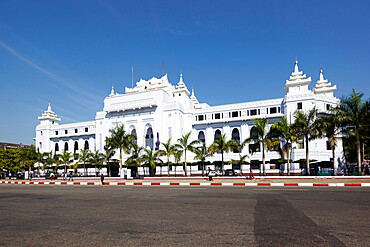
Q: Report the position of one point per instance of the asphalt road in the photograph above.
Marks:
(183, 216)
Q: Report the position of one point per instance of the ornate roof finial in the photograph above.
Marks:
(112, 92)
(296, 70)
(321, 75)
(49, 107)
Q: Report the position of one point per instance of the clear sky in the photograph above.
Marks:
(72, 52)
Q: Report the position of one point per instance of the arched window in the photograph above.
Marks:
(56, 147)
(66, 146)
(235, 136)
(256, 146)
(202, 138)
(133, 132)
(76, 147)
(217, 134)
(149, 138)
(86, 147)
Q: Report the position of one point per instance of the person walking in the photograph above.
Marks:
(70, 176)
(102, 179)
(251, 173)
(10, 175)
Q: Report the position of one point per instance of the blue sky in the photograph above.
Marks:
(72, 52)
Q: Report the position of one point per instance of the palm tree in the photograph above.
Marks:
(184, 144)
(354, 114)
(167, 151)
(39, 159)
(242, 160)
(135, 158)
(259, 135)
(150, 157)
(84, 158)
(109, 152)
(121, 140)
(66, 159)
(308, 127)
(96, 158)
(330, 124)
(221, 145)
(201, 153)
(49, 159)
(284, 132)
(177, 155)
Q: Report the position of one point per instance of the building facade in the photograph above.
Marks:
(155, 110)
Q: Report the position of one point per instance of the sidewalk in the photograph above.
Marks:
(196, 181)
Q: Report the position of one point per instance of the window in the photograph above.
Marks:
(66, 132)
(328, 145)
(259, 112)
(41, 132)
(86, 147)
(279, 109)
(149, 138)
(86, 129)
(300, 143)
(235, 114)
(248, 113)
(52, 122)
(327, 107)
(40, 145)
(66, 146)
(217, 116)
(273, 110)
(76, 147)
(200, 117)
(56, 133)
(133, 133)
(56, 147)
(217, 134)
(76, 130)
(253, 148)
(202, 138)
(299, 106)
(235, 136)
(253, 112)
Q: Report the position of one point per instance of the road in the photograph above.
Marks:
(36, 215)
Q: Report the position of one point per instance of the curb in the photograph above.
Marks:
(193, 184)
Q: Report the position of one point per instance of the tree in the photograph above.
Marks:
(354, 115)
(109, 152)
(185, 144)
(28, 157)
(167, 151)
(221, 145)
(96, 158)
(135, 158)
(149, 158)
(48, 160)
(284, 132)
(84, 157)
(307, 126)
(260, 135)
(122, 141)
(330, 125)
(39, 159)
(66, 160)
(177, 155)
(242, 160)
(201, 153)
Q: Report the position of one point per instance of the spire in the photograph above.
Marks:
(49, 107)
(181, 87)
(296, 70)
(323, 86)
(194, 99)
(111, 92)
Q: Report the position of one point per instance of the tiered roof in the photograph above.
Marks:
(297, 79)
(323, 86)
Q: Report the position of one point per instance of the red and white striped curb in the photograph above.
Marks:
(187, 184)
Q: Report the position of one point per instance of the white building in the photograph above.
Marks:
(157, 109)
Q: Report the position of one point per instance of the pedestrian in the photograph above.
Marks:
(31, 173)
(51, 175)
(63, 176)
(210, 175)
(10, 175)
(70, 176)
(251, 174)
(102, 178)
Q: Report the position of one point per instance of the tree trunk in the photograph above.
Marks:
(110, 174)
(263, 160)
(222, 163)
(334, 165)
(307, 158)
(186, 168)
(358, 150)
(288, 163)
(120, 162)
(168, 165)
(203, 169)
